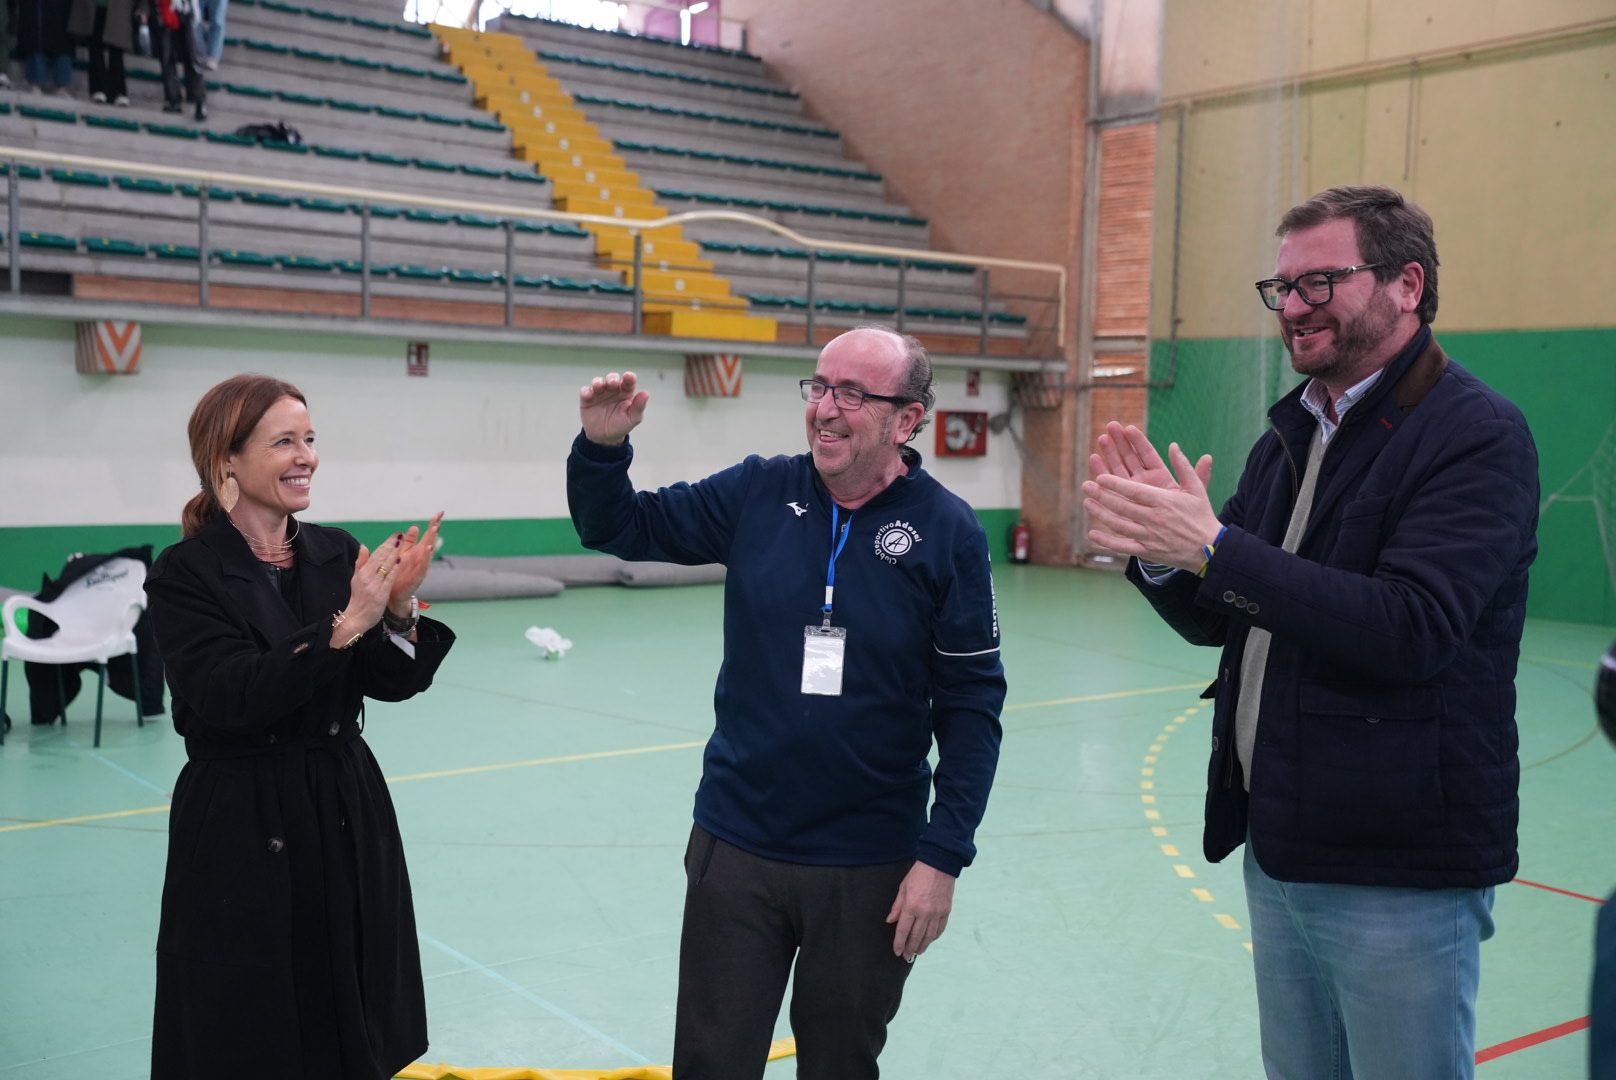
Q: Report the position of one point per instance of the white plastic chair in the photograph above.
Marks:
(95, 618)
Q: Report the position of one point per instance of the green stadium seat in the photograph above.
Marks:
(439, 118)
(396, 113)
(216, 194)
(304, 262)
(56, 116)
(116, 123)
(485, 125)
(292, 98)
(448, 77)
(266, 46)
(432, 217)
(350, 106)
(341, 152)
(478, 170)
(531, 281)
(105, 246)
(567, 228)
(265, 198)
(477, 221)
(314, 54)
(569, 285)
(172, 131)
(285, 147)
(475, 277)
(434, 165)
(526, 176)
(324, 206)
(386, 213)
(406, 69)
(248, 91)
(179, 252)
(368, 24)
(380, 158)
(229, 138)
(360, 62)
(421, 273)
(81, 178)
(243, 258)
(145, 186)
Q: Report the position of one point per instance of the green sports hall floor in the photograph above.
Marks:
(545, 807)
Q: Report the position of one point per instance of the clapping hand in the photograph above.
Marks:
(611, 407)
(1140, 507)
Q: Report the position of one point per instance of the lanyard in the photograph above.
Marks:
(835, 553)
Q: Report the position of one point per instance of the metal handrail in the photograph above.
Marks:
(637, 226)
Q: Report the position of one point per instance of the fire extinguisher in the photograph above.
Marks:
(1020, 543)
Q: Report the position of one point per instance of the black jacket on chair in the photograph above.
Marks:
(52, 687)
(287, 944)
(1386, 747)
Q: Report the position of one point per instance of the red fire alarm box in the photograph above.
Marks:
(962, 434)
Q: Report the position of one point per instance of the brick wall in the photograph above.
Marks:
(974, 113)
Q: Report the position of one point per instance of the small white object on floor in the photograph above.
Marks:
(553, 644)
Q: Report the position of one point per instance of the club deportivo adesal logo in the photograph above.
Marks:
(895, 540)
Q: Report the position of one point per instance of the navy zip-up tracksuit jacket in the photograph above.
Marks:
(820, 780)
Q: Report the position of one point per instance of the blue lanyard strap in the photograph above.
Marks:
(835, 552)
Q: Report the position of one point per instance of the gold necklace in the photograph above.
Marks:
(265, 551)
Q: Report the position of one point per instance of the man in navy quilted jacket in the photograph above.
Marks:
(859, 627)
(1366, 584)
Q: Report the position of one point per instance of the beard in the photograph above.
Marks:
(1356, 342)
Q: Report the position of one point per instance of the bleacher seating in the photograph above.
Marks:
(378, 108)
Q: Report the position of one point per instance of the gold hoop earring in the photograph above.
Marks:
(229, 493)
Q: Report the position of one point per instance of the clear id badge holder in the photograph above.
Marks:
(823, 650)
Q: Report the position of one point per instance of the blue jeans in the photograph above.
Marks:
(213, 12)
(44, 70)
(1602, 1033)
(1366, 982)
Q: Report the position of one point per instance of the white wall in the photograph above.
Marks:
(484, 436)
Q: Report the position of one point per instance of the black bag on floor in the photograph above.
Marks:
(280, 131)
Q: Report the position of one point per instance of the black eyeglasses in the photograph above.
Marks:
(1316, 288)
(846, 397)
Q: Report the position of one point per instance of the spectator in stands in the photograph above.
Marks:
(213, 19)
(43, 44)
(179, 50)
(286, 944)
(8, 42)
(108, 28)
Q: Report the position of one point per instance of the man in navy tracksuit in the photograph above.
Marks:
(859, 626)
(1367, 585)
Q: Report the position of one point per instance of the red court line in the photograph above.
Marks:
(1525, 1041)
(1562, 892)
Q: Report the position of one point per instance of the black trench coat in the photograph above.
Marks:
(287, 939)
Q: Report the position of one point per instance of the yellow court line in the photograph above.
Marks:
(1555, 661)
(469, 770)
(1115, 695)
(84, 819)
(597, 755)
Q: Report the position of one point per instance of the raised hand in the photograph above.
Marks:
(415, 559)
(611, 407)
(1126, 452)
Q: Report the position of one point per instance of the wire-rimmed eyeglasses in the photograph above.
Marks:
(1316, 287)
(846, 397)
